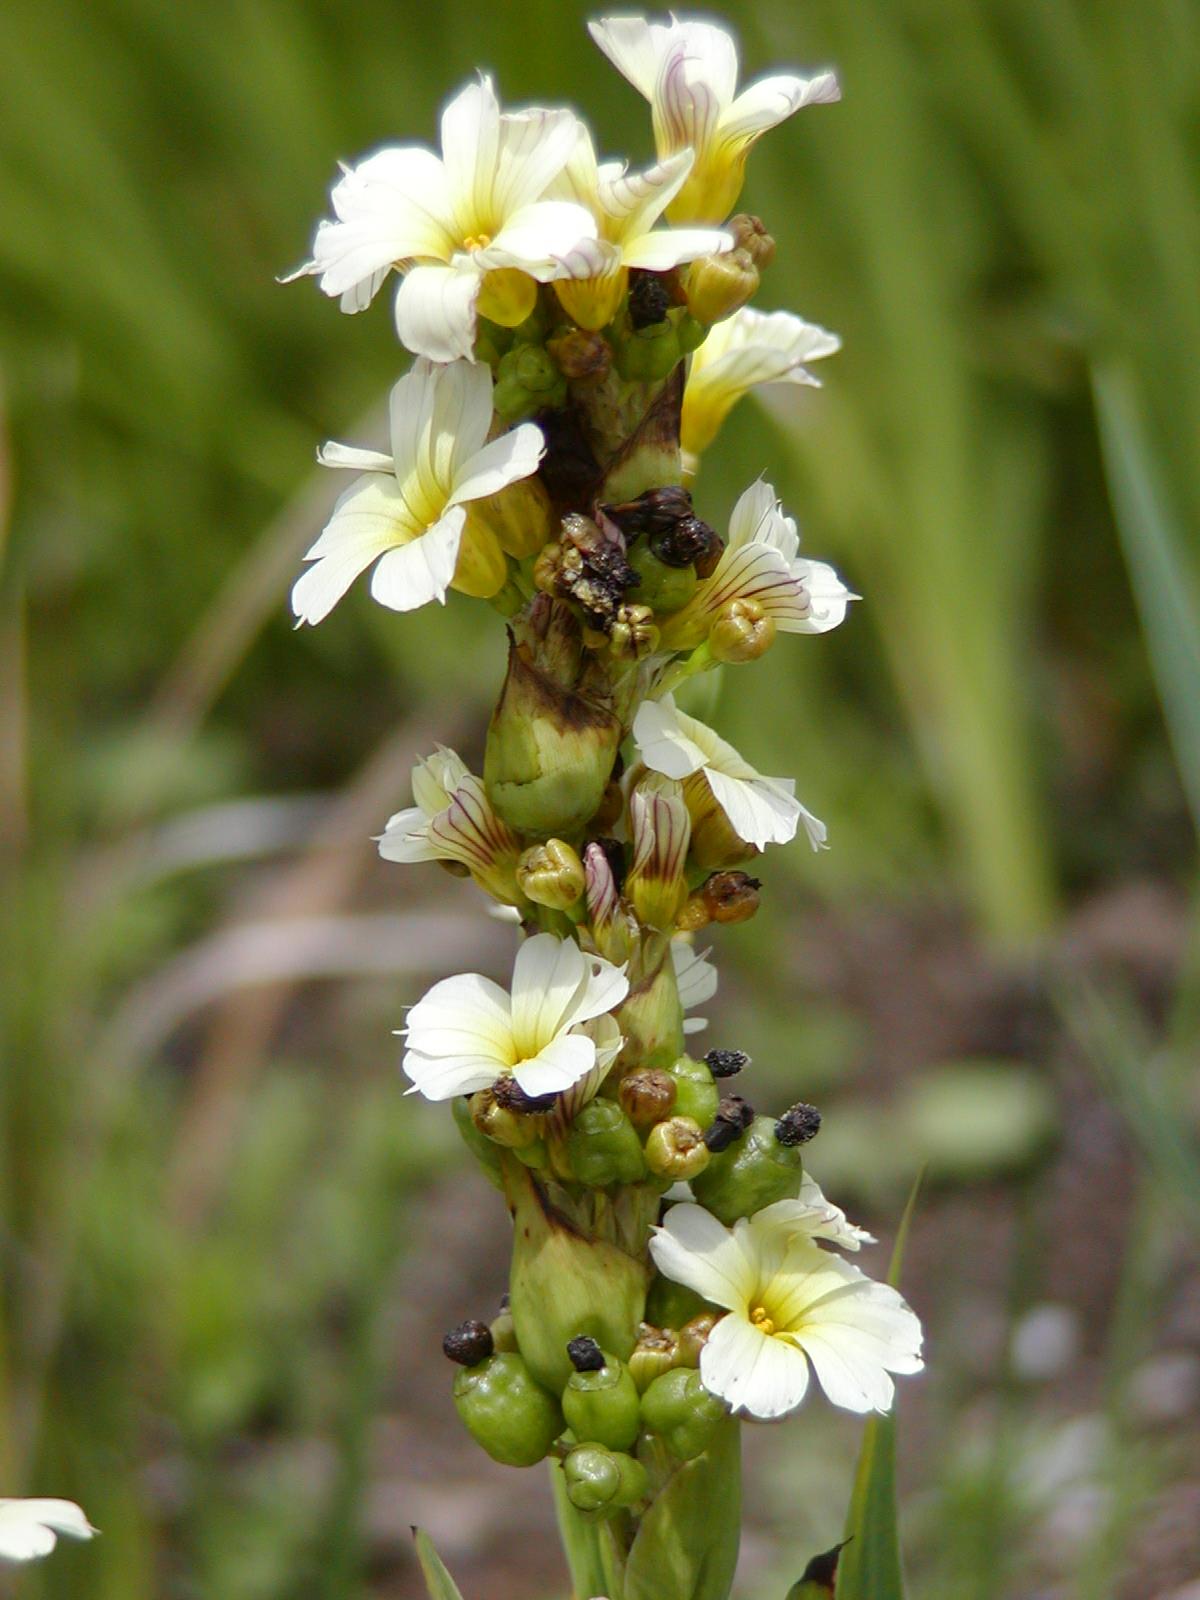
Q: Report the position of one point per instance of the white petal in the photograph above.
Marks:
(514, 455)
(771, 101)
(418, 572)
(534, 144)
(752, 1370)
(406, 837)
(548, 975)
(390, 209)
(631, 45)
(661, 741)
(435, 311)
(604, 990)
(695, 977)
(559, 1064)
(443, 1077)
(813, 1216)
(29, 1528)
(467, 1003)
(760, 811)
(750, 519)
(817, 832)
(534, 237)
(634, 201)
(351, 457)
(670, 247)
(694, 1249)
(828, 596)
(470, 150)
(369, 518)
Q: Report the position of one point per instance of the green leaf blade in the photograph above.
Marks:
(438, 1582)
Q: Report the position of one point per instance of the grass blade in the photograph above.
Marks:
(869, 1567)
(440, 1584)
(1163, 586)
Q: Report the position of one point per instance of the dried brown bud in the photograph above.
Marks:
(634, 633)
(726, 1063)
(585, 1354)
(469, 1344)
(798, 1125)
(650, 298)
(731, 896)
(647, 1096)
(581, 356)
(688, 543)
(742, 631)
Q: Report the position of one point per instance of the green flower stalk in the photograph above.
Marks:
(675, 1271)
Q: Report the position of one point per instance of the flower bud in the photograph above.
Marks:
(551, 874)
(693, 1336)
(602, 1482)
(656, 883)
(613, 928)
(719, 285)
(527, 381)
(696, 1094)
(647, 1096)
(603, 1148)
(633, 635)
(480, 570)
(755, 1171)
(499, 1123)
(505, 1411)
(741, 632)
(601, 1405)
(581, 356)
(656, 1352)
(661, 586)
(519, 517)
(549, 751)
(750, 235)
(681, 1412)
(504, 1334)
(506, 296)
(675, 1149)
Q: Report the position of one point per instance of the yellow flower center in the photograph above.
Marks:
(477, 241)
(761, 1320)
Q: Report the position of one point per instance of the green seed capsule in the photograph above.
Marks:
(663, 588)
(512, 1417)
(696, 1094)
(648, 355)
(603, 1146)
(601, 1482)
(679, 1409)
(601, 1407)
(752, 1173)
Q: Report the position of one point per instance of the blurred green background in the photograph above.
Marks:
(228, 1245)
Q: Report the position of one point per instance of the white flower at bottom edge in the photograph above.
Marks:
(467, 1031)
(760, 810)
(407, 510)
(695, 978)
(30, 1529)
(749, 349)
(789, 1304)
